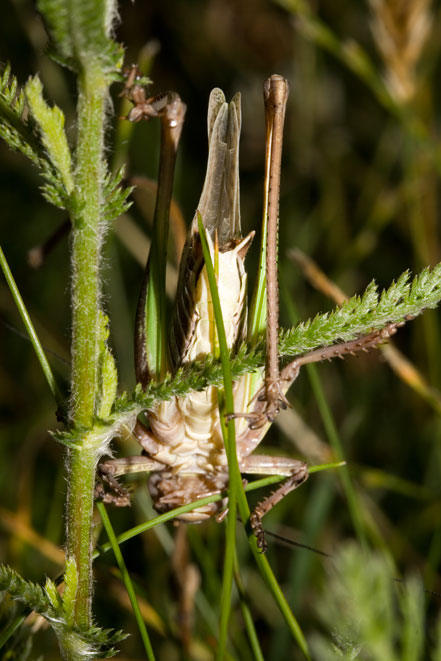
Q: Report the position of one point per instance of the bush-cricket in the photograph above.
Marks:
(183, 447)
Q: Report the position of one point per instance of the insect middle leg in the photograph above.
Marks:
(296, 472)
(110, 470)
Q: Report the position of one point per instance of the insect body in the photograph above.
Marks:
(183, 448)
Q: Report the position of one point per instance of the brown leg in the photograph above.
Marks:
(275, 92)
(297, 473)
(258, 417)
(363, 343)
(110, 469)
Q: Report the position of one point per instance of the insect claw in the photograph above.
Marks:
(259, 422)
(257, 528)
(118, 495)
(221, 516)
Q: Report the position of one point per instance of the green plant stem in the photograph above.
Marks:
(86, 244)
(236, 492)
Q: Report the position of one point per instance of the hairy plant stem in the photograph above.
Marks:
(86, 245)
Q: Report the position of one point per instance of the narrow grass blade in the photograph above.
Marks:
(172, 514)
(247, 615)
(235, 473)
(235, 479)
(56, 392)
(9, 630)
(127, 581)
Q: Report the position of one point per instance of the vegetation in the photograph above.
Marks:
(359, 192)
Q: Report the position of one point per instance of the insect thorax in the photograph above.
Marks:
(169, 490)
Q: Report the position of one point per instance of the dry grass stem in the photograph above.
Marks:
(401, 29)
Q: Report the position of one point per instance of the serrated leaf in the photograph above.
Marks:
(51, 124)
(115, 196)
(70, 589)
(22, 590)
(108, 375)
(52, 593)
(18, 131)
(356, 317)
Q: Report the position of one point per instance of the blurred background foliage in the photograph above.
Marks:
(360, 189)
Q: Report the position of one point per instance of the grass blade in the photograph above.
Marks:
(235, 480)
(127, 581)
(56, 392)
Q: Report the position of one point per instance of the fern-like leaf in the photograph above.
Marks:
(18, 130)
(403, 300)
(76, 643)
(115, 196)
(14, 128)
(359, 316)
(27, 592)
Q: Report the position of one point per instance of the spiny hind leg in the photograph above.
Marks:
(265, 409)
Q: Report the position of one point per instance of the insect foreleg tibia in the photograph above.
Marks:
(151, 354)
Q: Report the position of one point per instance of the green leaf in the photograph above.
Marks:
(108, 375)
(359, 316)
(27, 592)
(18, 131)
(51, 590)
(70, 589)
(115, 196)
(51, 124)
(77, 644)
(13, 126)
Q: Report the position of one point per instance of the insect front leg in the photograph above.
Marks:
(296, 472)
